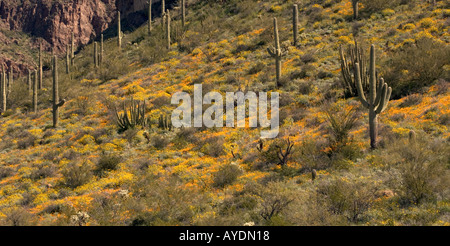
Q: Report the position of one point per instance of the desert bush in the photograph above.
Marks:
(349, 198)
(19, 217)
(76, 174)
(415, 67)
(108, 162)
(44, 170)
(226, 175)
(213, 146)
(374, 6)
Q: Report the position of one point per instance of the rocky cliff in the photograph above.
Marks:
(52, 22)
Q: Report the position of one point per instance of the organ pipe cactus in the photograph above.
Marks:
(165, 122)
(134, 116)
(295, 23)
(56, 102)
(276, 52)
(378, 97)
(354, 55)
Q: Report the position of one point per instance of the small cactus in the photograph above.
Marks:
(72, 50)
(95, 55)
(56, 102)
(29, 80)
(68, 59)
(412, 136)
(101, 49)
(378, 97)
(276, 52)
(313, 174)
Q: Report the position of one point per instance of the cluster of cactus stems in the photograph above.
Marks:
(56, 102)
(165, 122)
(354, 55)
(276, 52)
(295, 23)
(378, 96)
(134, 116)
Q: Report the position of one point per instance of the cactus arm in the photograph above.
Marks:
(271, 53)
(388, 96)
(361, 96)
(379, 89)
(378, 108)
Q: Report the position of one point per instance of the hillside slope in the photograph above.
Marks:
(86, 172)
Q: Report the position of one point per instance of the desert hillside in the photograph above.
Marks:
(75, 159)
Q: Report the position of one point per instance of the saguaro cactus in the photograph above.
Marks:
(355, 9)
(101, 49)
(68, 59)
(276, 52)
(163, 14)
(35, 88)
(183, 12)
(149, 25)
(378, 97)
(119, 31)
(3, 89)
(56, 102)
(10, 79)
(40, 67)
(72, 50)
(29, 80)
(95, 55)
(168, 29)
(295, 23)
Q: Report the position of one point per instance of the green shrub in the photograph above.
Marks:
(77, 174)
(226, 175)
(108, 162)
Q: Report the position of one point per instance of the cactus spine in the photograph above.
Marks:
(276, 52)
(119, 31)
(168, 29)
(295, 23)
(149, 25)
(378, 97)
(35, 88)
(40, 66)
(56, 102)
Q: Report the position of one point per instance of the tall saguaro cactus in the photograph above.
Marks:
(68, 59)
(119, 31)
(163, 13)
(378, 97)
(101, 49)
(56, 102)
(40, 67)
(183, 12)
(10, 79)
(149, 25)
(3, 90)
(355, 9)
(72, 49)
(29, 81)
(95, 55)
(276, 52)
(35, 88)
(295, 23)
(168, 29)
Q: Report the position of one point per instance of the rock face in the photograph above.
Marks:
(54, 21)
